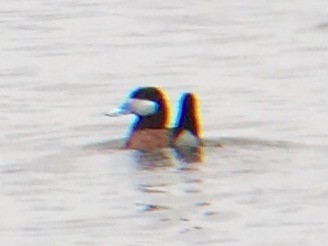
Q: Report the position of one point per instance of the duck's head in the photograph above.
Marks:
(149, 104)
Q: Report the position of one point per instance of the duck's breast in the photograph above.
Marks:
(149, 139)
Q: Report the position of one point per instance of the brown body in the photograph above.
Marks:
(149, 139)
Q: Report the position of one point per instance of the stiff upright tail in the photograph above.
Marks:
(188, 118)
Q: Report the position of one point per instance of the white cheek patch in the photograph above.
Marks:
(143, 107)
(135, 106)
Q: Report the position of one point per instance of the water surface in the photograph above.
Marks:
(260, 69)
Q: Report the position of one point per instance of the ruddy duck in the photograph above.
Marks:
(150, 130)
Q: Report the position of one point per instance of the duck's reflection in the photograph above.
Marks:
(170, 184)
(151, 160)
(190, 154)
(162, 158)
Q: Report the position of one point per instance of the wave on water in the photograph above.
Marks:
(241, 142)
(323, 25)
(248, 142)
(162, 158)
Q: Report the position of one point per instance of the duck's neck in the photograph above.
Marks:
(157, 121)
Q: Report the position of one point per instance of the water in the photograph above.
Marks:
(260, 69)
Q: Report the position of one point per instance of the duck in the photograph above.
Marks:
(150, 129)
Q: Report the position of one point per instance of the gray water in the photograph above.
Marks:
(260, 69)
